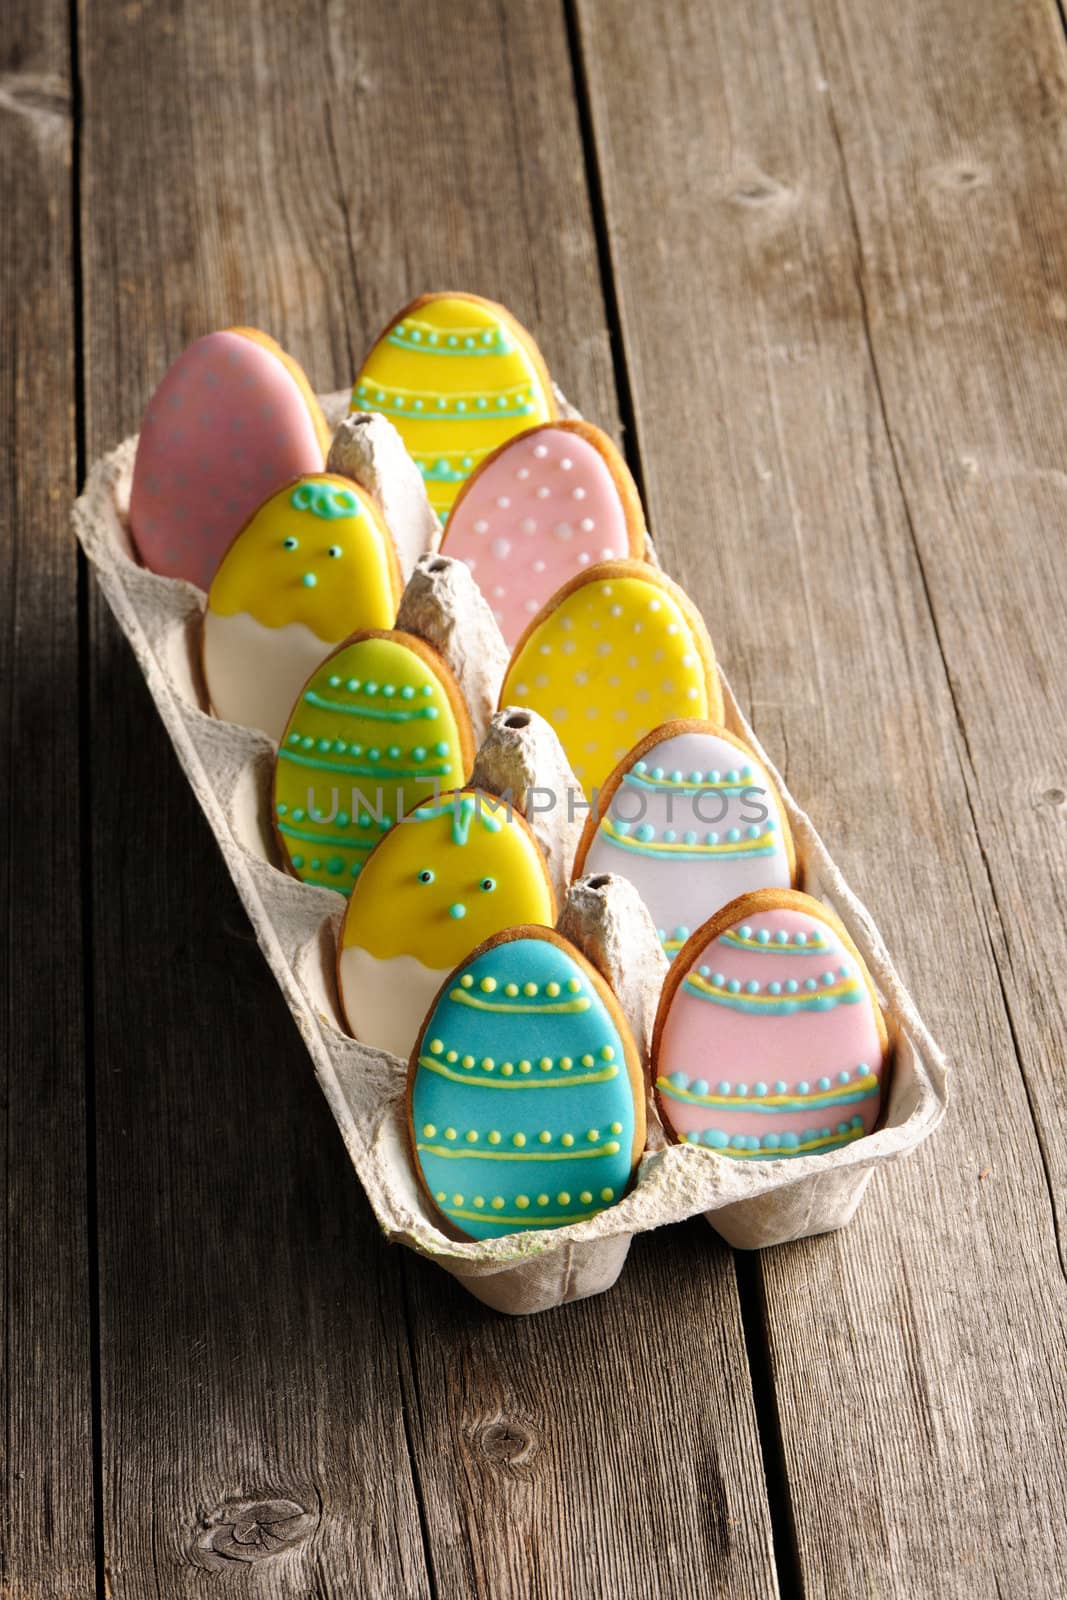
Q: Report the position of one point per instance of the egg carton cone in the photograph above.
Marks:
(297, 926)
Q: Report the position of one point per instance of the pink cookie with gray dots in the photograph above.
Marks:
(232, 422)
(535, 513)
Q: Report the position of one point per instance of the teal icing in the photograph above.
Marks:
(782, 1106)
(784, 1006)
(761, 947)
(346, 840)
(356, 770)
(372, 713)
(646, 846)
(463, 808)
(447, 1097)
(487, 342)
(326, 500)
(512, 402)
(777, 1146)
(690, 785)
(440, 472)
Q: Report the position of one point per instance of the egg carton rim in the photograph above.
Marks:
(703, 1182)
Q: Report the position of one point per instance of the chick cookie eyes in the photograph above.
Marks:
(487, 885)
(425, 876)
(334, 552)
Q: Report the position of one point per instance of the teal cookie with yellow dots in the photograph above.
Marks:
(526, 1095)
(458, 377)
(379, 726)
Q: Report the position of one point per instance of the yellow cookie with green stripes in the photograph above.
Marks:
(379, 726)
(458, 377)
(526, 1096)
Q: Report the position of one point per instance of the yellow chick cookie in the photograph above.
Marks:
(315, 563)
(453, 872)
(615, 652)
(458, 377)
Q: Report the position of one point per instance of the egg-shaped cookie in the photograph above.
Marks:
(454, 872)
(537, 512)
(526, 1095)
(314, 564)
(457, 376)
(692, 818)
(615, 653)
(233, 419)
(380, 725)
(769, 1039)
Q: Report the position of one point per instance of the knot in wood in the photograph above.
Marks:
(252, 1530)
(757, 189)
(507, 1442)
(961, 175)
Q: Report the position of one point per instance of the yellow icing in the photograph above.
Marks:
(357, 588)
(615, 658)
(393, 913)
(451, 404)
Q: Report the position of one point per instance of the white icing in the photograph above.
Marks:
(685, 891)
(254, 673)
(386, 1001)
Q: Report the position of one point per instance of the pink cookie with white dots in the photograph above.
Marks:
(546, 505)
(232, 422)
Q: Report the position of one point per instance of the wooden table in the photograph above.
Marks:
(809, 261)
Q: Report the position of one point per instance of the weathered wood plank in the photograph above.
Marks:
(308, 173)
(46, 1519)
(605, 1448)
(836, 242)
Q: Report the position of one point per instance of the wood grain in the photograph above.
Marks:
(267, 1365)
(46, 1514)
(836, 245)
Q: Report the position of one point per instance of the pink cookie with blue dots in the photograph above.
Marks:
(769, 1040)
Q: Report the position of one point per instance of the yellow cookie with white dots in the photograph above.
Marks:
(615, 652)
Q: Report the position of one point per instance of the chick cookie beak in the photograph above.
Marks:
(457, 910)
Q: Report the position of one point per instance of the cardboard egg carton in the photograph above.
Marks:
(297, 925)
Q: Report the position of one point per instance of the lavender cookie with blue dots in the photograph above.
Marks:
(769, 1040)
(692, 818)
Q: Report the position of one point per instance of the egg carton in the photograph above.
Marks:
(297, 925)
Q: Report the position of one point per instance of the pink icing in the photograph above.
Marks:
(710, 1043)
(542, 510)
(227, 427)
